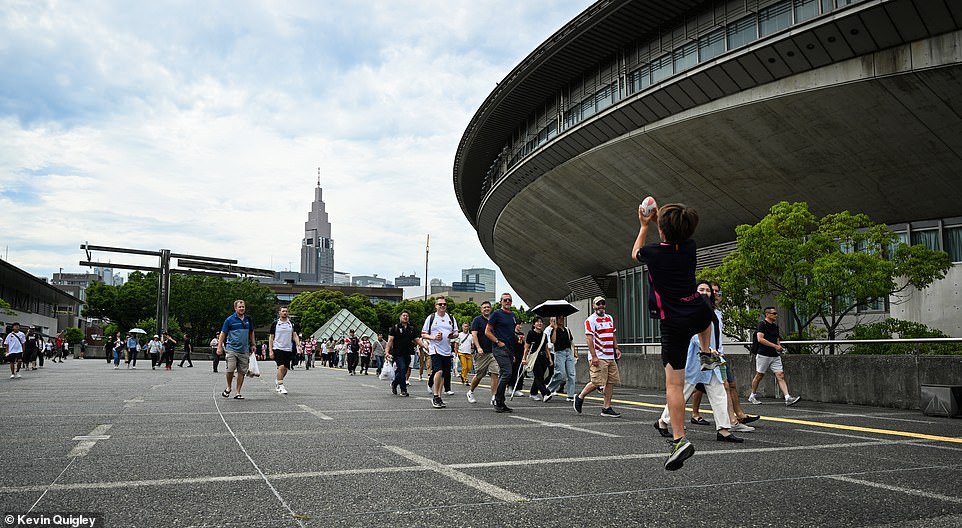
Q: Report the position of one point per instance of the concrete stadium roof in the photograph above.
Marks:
(836, 112)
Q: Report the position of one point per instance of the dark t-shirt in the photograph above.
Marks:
(502, 326)
(534, 339)
(518, 344)
(354, 344)
(671, 277)
(479, 323)
(404, 336)
(562, 338)
(169, 346)
(771, 333)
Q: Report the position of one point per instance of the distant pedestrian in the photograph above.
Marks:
(402, 338)
(169, 345)
(133, 349)
(310, 347)
(769, 356)
(282, 343)
(603, 352)
(13, 344)
(188, 348)
(30, 351)
(216, 352)
(353, 352)
(155, 347)
(564, 359)
(366, 350)
(236, 342)
(500, 330)
(379, 347)
(83, 348)
(465, 351)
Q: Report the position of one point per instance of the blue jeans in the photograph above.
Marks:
(564, 367)
(401, 363)
(116, 356)
(380, 364)
(505, 358)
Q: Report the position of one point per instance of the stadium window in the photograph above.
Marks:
(741, 32)
(686, 56)
(775, 18)
(953, 242)
(639, 79)
(606, 96)
(927, 237)
(573, 116)
(552, 128)
(711, 45)
(588, 107)
(828, 6)
(805, 10)
(661, 69)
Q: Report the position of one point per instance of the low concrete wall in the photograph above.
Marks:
(880, 381)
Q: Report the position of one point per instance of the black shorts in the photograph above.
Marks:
(441, 363)
(283, 358)
(676, 334)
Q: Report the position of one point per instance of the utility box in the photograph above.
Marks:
(941, 400)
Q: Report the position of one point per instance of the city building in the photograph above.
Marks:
(369, 280)
(438, 285)
(342, 278)
(317, 247)
(484, 276)
(469, 287)
(726, 106)
(35, 303)
(402, 281)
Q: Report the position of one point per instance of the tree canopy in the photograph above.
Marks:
(819, 270)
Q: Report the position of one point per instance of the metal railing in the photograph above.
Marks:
(741, 347)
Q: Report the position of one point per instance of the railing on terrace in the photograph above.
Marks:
(741, 347)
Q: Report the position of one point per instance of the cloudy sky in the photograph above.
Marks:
(200, 126)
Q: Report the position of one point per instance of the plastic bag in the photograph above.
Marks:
(387, 371)
(253, 369)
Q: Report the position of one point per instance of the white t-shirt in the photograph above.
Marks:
(464, 347)
(443, 323)
(14, 342)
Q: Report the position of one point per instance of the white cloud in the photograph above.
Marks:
(199, 127)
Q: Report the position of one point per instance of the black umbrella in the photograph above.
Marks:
(555, 308)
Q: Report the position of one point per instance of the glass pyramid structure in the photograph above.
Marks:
(339, 327)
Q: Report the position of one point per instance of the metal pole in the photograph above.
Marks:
(163, 291)
(427, 250)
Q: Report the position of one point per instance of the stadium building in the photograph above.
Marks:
(727, 106)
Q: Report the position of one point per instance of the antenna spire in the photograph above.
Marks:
(318, 176)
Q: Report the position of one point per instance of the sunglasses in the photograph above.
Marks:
(441, 304)
(601, 303)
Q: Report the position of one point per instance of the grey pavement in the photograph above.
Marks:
(156, 448)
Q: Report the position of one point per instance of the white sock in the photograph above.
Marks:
(788, 396)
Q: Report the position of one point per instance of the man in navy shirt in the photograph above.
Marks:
(500, 330)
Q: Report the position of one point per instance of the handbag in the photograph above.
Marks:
(533, 355)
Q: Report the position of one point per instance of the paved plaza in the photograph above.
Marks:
(156, 448)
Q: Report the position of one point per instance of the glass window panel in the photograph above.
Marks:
(606, 96)
(661, 69)
(686, 56)
(928, 238)
(742, 32)
(775, 18)
(805, 10)
(588, 107)
(953, 243)
(828, 6)
(552, 129)
(711, 45)
(573, 116)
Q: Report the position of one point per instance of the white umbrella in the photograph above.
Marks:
(137, 331)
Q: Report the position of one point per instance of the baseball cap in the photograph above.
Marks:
(597, 299)
(157, 336)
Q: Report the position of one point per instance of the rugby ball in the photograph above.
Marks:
(648, 206)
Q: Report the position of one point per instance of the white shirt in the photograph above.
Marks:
(284, 335)
(444, 324)
(464, 347)
(14, 342)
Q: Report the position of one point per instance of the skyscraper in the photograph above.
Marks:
(483, 276)
(317, 247)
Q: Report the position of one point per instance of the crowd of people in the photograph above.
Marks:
(28, 350)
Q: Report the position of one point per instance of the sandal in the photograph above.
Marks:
(239, 397)
(226, 393)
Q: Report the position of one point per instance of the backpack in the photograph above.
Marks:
(753, 348)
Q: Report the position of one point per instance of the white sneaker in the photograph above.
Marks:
(117, 367)
(792, 400)
(753, 399)
(18, 375)
(535, 397)
(13, 376)
(741, 428)
(569, 399)
(471, 398)
(553, 394)
(449, 392)
(277, 387)
(134, 367)
(281, 389)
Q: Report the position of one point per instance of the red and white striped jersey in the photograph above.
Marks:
(602, 330)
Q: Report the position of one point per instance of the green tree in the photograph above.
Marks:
(73, 336)
(896, 328)
(313, 309)
(820, 270)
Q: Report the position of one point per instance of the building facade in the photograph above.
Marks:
(402, 281)
(726, 106)
(483, 276)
